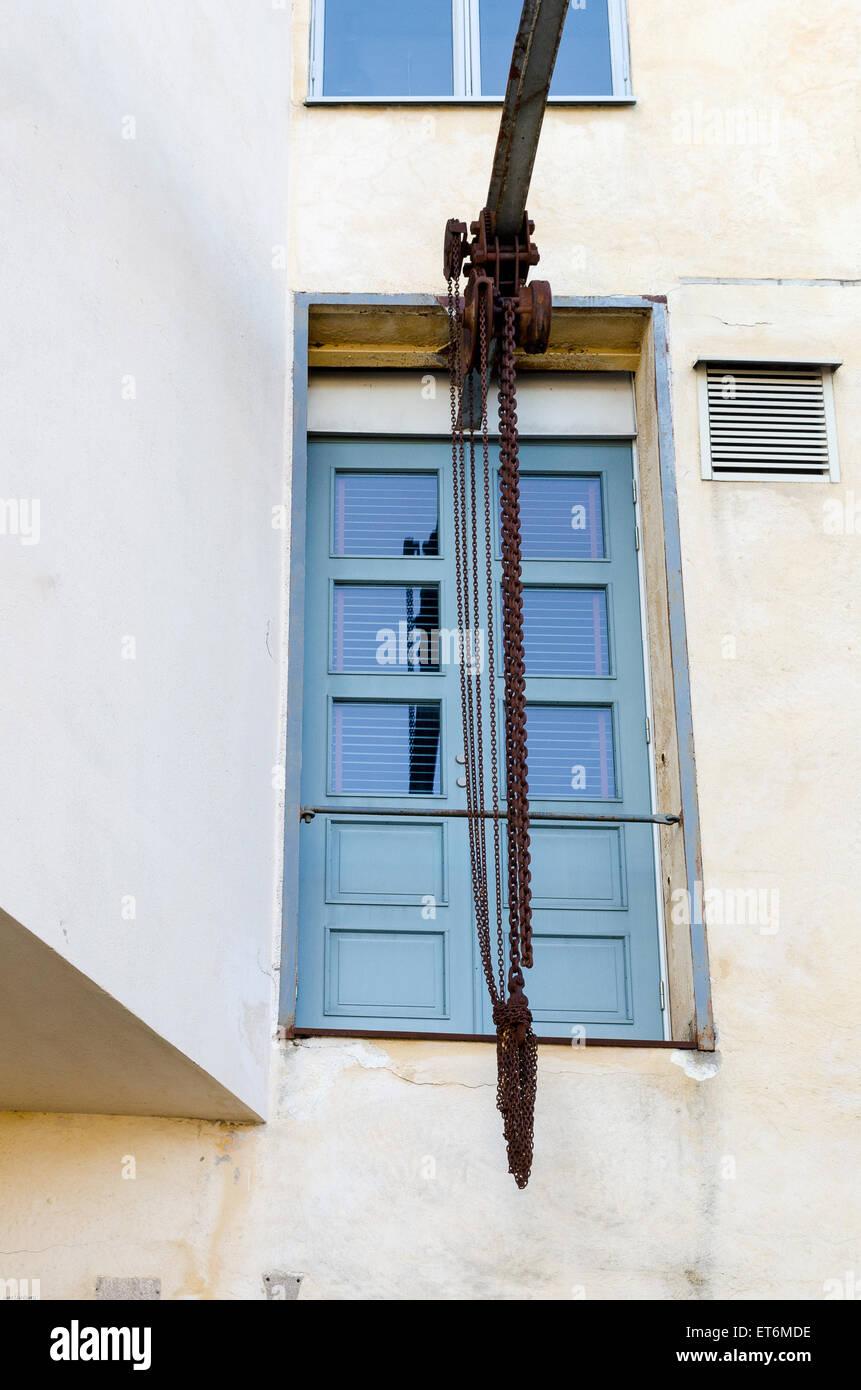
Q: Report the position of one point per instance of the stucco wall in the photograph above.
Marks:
(381, 1174)
(381, 1170)
(737, 160)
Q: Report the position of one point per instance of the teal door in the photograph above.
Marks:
(386, 936)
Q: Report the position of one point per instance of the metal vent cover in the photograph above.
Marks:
(767, 421)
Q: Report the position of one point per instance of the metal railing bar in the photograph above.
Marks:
(307, 814)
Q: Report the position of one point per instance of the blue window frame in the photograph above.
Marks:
(457, 50)
(592, 876)
(386, 927)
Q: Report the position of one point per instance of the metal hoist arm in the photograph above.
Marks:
(532, 63)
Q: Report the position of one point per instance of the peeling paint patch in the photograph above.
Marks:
(314, 1065)
(699, 1066)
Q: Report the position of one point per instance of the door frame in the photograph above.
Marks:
(690, 1005)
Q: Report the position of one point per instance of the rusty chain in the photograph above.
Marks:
(517, 1049)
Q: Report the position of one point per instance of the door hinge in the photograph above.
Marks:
(636, 538)
(634, 489)
(663, 997)
(648, 730)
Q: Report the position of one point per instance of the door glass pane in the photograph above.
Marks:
(583, 66)
(385, 748)
(570, 751)
(561, 517)
(388, 48)
(565, 632)
(386, 514)
(385, 627)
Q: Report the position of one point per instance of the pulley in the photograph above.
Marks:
(496, 271)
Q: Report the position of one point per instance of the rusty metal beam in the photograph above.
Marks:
(532, 64)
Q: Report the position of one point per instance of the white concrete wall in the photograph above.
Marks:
(381, 1171)
(144, 160)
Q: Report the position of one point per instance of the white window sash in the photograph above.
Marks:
(461, 29)
(466, 56)
(620, 53)
(473, 36)
(318, 29)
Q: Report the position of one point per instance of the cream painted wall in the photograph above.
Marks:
(381, 1175)
(381, 1170)
(627, 200)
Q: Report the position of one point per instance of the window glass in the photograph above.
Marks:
(561, 517)
(565, 632)
(570, 752)
(385, 627)
(388, 48)
(386, 514)
(583, 66)
(385, 748)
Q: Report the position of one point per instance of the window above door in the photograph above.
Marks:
(457, 51)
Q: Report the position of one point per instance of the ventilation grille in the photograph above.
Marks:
(767, 421)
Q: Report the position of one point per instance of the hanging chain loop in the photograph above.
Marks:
(517, 1049)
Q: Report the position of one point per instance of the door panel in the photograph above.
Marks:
(386, 922)
(386, 934)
